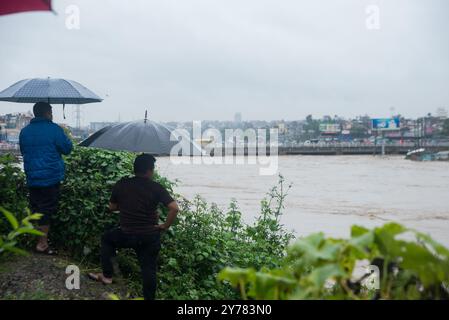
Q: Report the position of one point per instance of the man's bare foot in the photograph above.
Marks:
(100, 278)
(45, 250)
(42, 243)
(41, 247)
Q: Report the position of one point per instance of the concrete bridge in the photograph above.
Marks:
(337, 149)
(353, 150)
(325, 150)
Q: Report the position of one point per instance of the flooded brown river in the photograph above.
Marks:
(330, 193)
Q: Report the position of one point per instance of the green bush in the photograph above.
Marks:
(322, 268)
(205, 240)
(202, 241)
(83, 213)
(13, 192)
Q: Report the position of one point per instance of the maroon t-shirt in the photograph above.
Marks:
(137, 199)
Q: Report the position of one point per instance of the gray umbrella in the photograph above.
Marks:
(140, 136)
(56, 91)
(53, 91)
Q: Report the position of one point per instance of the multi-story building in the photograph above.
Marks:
(11, 124)
(16, 120)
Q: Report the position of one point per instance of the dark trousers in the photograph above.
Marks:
(147, 249)
(45, 200)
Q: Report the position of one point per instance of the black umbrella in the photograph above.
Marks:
(141, 136)
(94, 136)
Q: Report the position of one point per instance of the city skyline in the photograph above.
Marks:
(71, 114)
(258, 58)
(72, 121)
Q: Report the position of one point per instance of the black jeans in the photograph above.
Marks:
(147, 248)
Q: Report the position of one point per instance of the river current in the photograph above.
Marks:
(330, 193)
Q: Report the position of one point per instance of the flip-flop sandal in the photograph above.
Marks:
(49, 251)
(97, 277)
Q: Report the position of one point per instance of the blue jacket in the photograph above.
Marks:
(42, 142)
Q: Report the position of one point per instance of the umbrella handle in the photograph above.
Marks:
(63, 110)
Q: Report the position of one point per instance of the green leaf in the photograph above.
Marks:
(34, 216)
(320, 275)
(29, 230)
(235, 275)
(17, 250)
(426, 239)
(172, 262)
(357, 231)
(10, 217)
(363, 242)
(113, 296)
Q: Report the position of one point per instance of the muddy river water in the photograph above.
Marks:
(330, 193)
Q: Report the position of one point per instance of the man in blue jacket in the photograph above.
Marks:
(42, 142)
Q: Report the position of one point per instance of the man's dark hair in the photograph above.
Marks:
(40, 109)
(143, 163)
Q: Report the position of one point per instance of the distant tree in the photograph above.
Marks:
(358, 130)
(311, 128)
(445, 130)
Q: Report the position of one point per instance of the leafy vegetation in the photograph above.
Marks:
(205, 240)
(83, 213)
(14, 228)
(323, 268)
(8, 242)
(252, 261)
(201, 242)
(13, 192)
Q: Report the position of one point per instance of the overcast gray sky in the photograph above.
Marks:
(207, 59)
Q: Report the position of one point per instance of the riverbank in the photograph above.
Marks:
(42, 277)
(205, 239)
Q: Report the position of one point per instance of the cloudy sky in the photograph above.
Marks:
(207, 59)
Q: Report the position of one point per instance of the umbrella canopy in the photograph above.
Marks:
(13, 6)
(94, 136)
(140, 136)
(53, 91)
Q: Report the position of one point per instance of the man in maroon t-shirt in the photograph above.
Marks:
(137, 199)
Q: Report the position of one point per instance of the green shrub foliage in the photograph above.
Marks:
(211, 254)
(13, 192)
(205, 240)
(201, 242)
(83, 213)
(317, 267)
